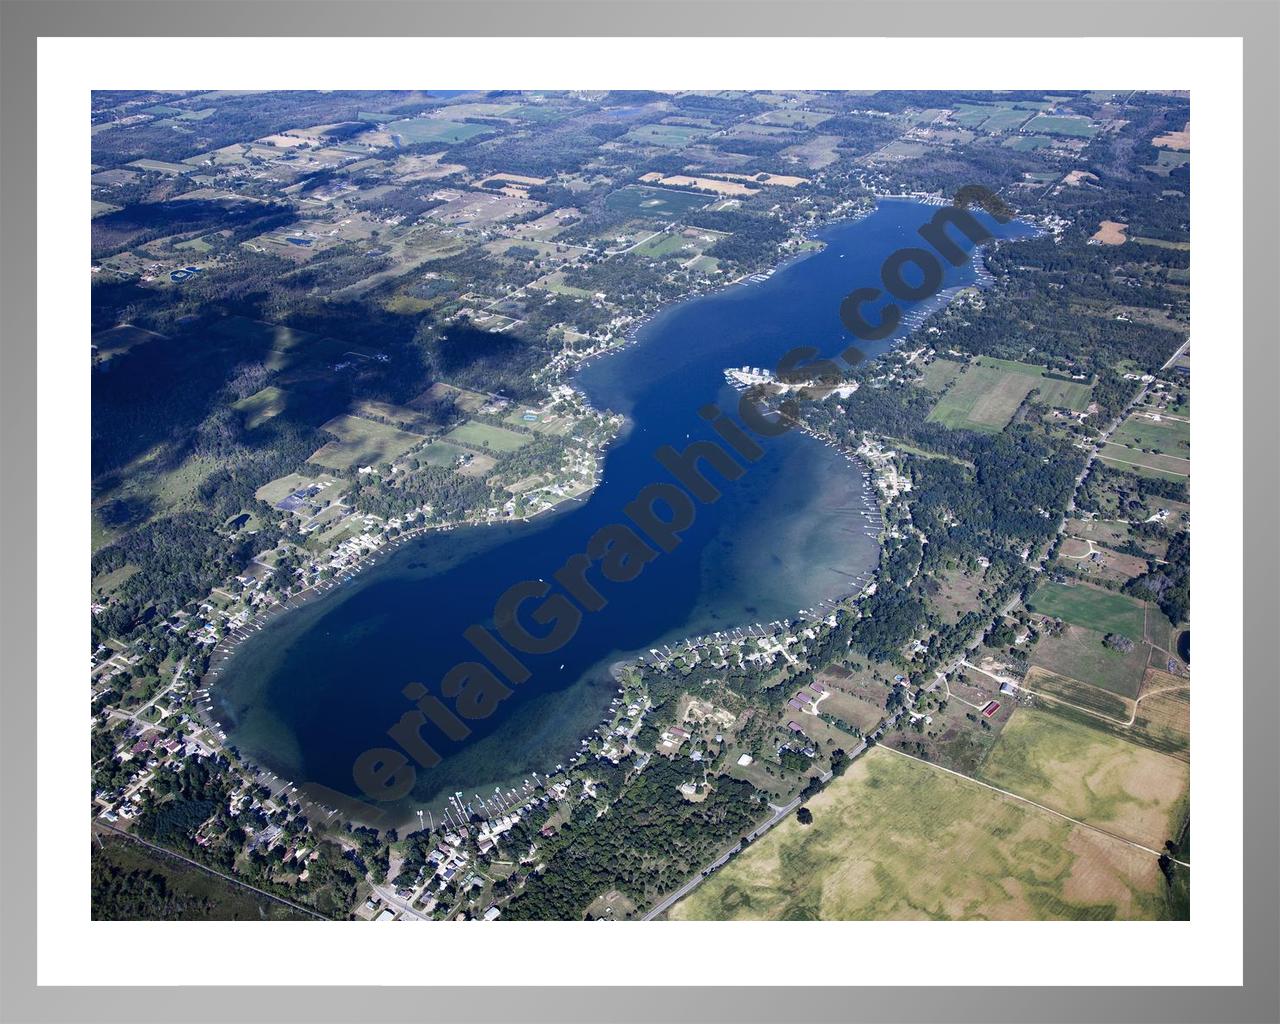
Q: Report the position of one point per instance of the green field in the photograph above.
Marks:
(160, 165)
(1079, 653)
(1100, 610)
(1053, 390)
(1168, 161)
(1090, 775)
(1165, 436)
(261, 406)
(898, 839)
(1078, 127)
(1028, 143)
(1161, 243)
(789, 118)
(939, 373)
(1006, 119)
(645, 199)
(1166, 467)
(441, 453)
(984, 397)
(362, 443)
(487, 437)
(971, 115)
(414, 130)
(662, 245)
(1081, 695)
(673, 136)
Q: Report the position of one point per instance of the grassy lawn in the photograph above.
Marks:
(482, 435)
(1101, 610)
(1091, 775)
(897, 839)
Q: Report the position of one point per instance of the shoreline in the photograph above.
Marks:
(564, 375)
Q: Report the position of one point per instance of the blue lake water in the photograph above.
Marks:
(323, 683)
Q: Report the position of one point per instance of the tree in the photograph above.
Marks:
(804, 816)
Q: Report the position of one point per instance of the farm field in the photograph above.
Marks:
(1100, 610)
(1167, 467)
(116, 341)
(162, 166)
(675, 136)
(982, 398)
(1054, 391)
(362, 443)
(1027, 143)
(895, 838)
(939, 373)
(1168, 161)
(261, 406)
(421, 129)
(1091, 775)
(1080, 654)
(789, 118)
(482, 435)
(1082, 695)
(1079, 127)
(645, 199)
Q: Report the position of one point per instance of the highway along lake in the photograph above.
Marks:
(323, 683)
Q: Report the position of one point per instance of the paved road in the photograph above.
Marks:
(719, 862)
(902, 709)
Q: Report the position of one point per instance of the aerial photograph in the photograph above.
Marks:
(640, 505)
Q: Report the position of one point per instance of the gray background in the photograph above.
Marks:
(1258, 1000)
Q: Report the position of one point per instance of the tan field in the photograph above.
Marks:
(899, 839)
(724, 188)
(1110, 232)
(1175, 140)
(1091, 774)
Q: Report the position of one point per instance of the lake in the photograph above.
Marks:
(323, 683)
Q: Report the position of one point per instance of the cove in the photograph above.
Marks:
(322, 684)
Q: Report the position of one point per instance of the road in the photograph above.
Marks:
(212, 871)
(751, 837)
(388, 896)
(890, 722)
